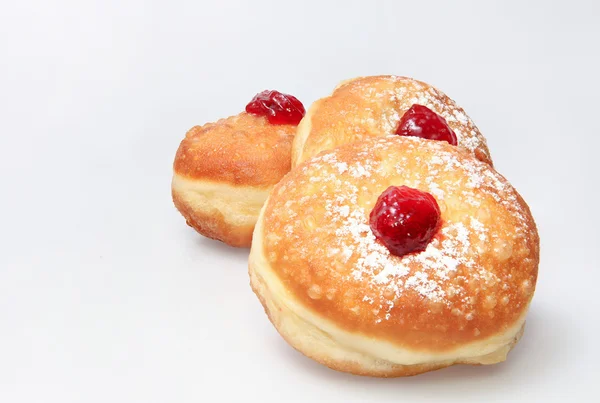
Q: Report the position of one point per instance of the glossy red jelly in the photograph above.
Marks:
(420, 121)
(405, 219)
(280, 109)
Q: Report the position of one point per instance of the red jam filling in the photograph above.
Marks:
(279, 109)
(420, 121)
(405, 219)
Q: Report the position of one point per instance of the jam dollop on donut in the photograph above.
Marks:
(405, 219)
(280, 109)
(420, 121)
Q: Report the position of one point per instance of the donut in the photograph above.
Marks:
(375, 106)
(223, 171)
(452, 287)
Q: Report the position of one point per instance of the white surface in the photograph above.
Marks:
(107, 296)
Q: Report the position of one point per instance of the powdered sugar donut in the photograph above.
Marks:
(373, 106)
(336, 292)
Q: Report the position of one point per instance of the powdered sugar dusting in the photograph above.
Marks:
(402, 93)
(373, 261)
(466, 132)
(345, 187)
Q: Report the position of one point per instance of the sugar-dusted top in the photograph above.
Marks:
(474, 279)
(372, 107)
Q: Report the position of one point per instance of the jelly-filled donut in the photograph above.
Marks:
(223, 171)
(376, 106)
(394, 256)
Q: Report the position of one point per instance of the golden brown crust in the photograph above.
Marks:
(475, 280)
(240, 150)
(372, 107)
(213, 224)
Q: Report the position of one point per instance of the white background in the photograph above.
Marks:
(107, 296)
